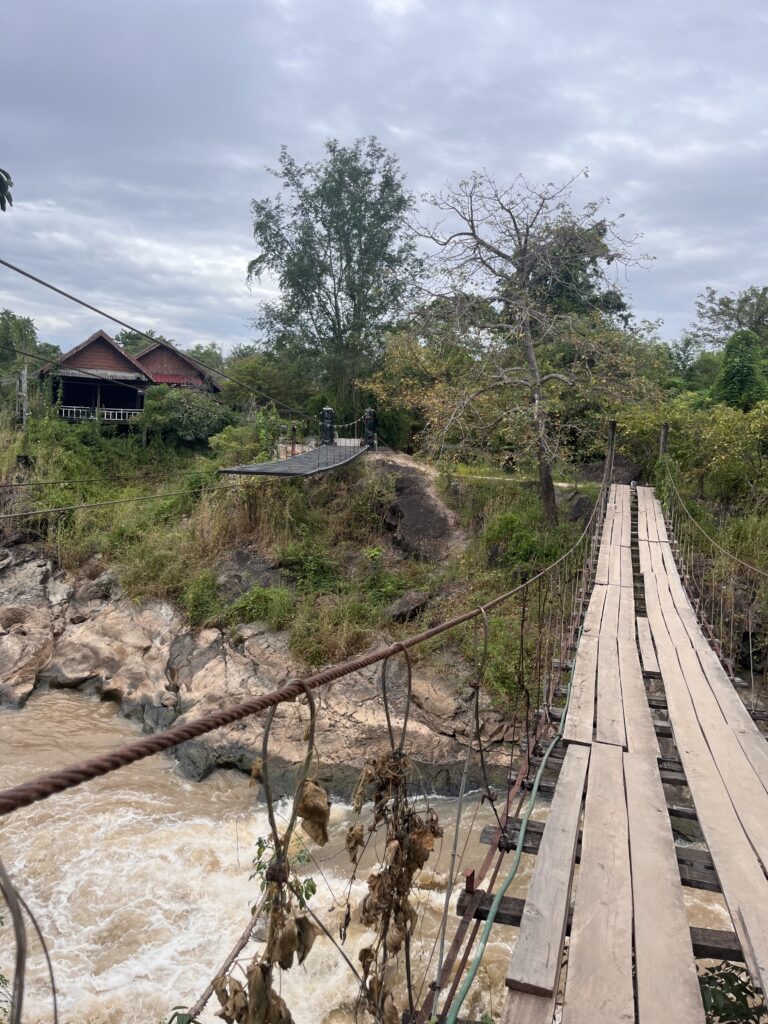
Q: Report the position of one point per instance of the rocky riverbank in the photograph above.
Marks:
(59, 631)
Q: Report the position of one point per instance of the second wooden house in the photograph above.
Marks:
(168, 365)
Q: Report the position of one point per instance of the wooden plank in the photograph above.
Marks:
(599, 988)
(581, 708)
(594, 615)
(525, 1008)
(695, 866)
(752, 740)
(626, 624)
(627, 574)
(640, 732)
(614, 565)
(667, 983)
(535, 963)
(742, 880)
(746, 791)
(610, 710)
(676, 588)
(661, 526)
(626, 516)
(601, 570)
(646, 511)
(642, 519)
(645, 643)
(708, 943)
(643, 548)
(641, 735)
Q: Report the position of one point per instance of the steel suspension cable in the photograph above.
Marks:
(114, 501)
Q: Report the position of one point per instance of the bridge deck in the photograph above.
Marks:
(318, 460)
(631, 954)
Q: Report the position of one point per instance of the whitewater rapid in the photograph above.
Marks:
(140, 880)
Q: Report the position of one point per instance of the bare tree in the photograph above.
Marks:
(538, 265)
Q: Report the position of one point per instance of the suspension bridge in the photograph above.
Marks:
(336, 446)
(628, 718)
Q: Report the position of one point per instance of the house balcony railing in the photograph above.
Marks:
(86, 412)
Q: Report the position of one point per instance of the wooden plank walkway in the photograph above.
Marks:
(630, 955)
(535, 963)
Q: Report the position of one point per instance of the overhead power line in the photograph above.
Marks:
(143, 334)
(56, 362)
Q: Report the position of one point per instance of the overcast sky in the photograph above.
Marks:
(137, 133)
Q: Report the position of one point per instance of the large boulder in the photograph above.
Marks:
(351, 724)
(119, 651)
(26, 643)
(420, 523)
(243, 569)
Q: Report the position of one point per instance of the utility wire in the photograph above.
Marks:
(113, 501)
(86, 373)
(143, 334)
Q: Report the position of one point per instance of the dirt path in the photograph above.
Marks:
(456, 539)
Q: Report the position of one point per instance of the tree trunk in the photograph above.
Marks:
(546, 488)
(546, 484)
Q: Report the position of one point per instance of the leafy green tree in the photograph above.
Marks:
(6, 184)
(541, 267)
(719, 316)
(287, 381)
(209, 353)
(741, 383)
(19, 332)
(134, 342)
(704, 370)
(182, 415)
(337, 241)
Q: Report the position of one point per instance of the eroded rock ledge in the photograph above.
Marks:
(60, 632)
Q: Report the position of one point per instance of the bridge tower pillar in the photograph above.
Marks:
(327, 435)
(369, 429)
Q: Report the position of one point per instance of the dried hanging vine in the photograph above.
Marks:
(409, 839)
(291, 930)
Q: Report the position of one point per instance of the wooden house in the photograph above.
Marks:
(98, 380)
(168, 365)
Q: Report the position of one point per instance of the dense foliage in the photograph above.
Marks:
(336, 240)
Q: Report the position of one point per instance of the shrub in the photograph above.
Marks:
(330, 628)
(252, 441)
(273, 605)
(200, 598)
(311, 565)
(182, 414)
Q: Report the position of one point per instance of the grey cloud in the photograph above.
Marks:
(138, 133)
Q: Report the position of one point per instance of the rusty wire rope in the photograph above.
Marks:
(76, 774)
(546, 593)
(20, 938)
(117, 501)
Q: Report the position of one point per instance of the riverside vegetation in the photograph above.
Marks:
(497, 357)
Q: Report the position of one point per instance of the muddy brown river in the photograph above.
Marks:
(140, 880)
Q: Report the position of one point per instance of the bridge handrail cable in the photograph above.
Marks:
(715, 544)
